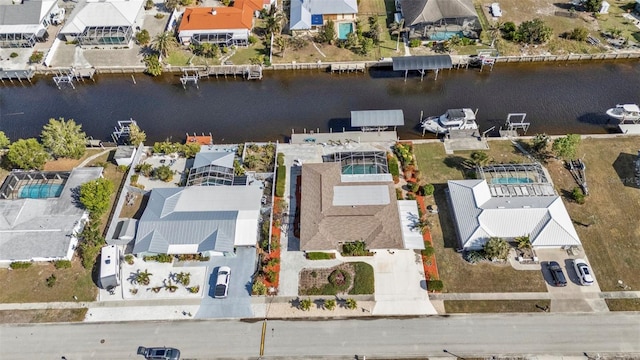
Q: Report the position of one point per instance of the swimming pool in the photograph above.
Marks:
(511, 180)
(445, 35)
(359, 169)
(40, 191)
(344, 29)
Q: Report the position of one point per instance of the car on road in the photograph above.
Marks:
(159, 353)
(583, 271)
(222, 282)
(495, 10)
(556, 273)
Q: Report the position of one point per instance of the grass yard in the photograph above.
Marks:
(623, 304)
(42, 316)
(611, 212)
(458, 275)
(359, 280)
(29, 285)
(493, 306)
(110, 172)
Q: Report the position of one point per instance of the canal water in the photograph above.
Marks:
(558, 98)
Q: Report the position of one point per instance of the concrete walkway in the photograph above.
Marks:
(95, 156)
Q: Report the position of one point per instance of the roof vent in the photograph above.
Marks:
(213, 12)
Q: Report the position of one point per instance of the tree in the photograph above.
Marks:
(95, 196)
(534, 32)
(282, 43)
(190, 150)
(374, 29)
(143, 277)
(566, 147)
(496, 248)
(136, 135)
(479, 158)
(366, 46)
(152, 62)
(593, 5)
(328, 33)
(273, 23)
(540, 143)
(524, 242)
(509, 30)
(579, 34)
(143, 38)
(145, 169)
(163, 173)
(148, 5)
(352, 40)
(171, 5)
(163, 43)
(4, 140)
(64, 138)
(397, 28)
(27, 154)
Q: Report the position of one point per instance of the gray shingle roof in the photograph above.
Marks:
(323, 225)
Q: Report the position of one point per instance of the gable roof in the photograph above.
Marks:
(429, 11)
(197, 219)
(301, 11)
(479, 216)
(219, 158)
(104, 13)
(327, 220)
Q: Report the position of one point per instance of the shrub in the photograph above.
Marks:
(20, 265)
(428, 189)
(435, 285)
(129, 259)
(280, 180)
(13, 55)
(122, 168)
(62, 264)
(36, 57)
(415, 187)
(152, 63)
(194, 289)
(355, 248)
(363, 281)
(428, 250)
(404, 153)
(273, 262)
(183, 278)
(329, 304)
(148, 5)
(340, 279)
(259, 288)
(411, 196)
(305, 304)
(474, 256)
(51, 280)
(320, 256)
(134, 179)
(577, 195)
(280, 160)
(579, 34)
(496, 248)
(272, 276)
(394, 168)
(142, 37)
(351, 303)
(252, 39)
(414, 43)
(163, 173)
(398, 194)
(158, 16)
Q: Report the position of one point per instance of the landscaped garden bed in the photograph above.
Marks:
(348, 278)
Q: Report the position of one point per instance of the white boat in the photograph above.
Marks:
(453, 119)
(629, 117)
(623, 112)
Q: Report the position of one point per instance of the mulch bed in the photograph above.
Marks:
(308, 281)
(430, 267)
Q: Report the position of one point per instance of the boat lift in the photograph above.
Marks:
(511, 127)
(190, 75)
(122, 131)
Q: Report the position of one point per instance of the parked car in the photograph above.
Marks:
(583, 271)
(159, 353)
(222, 283)
(556, 274)
(495, 10)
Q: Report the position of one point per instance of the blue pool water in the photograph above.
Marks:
(40, 191)
(445, 35)
(344, 29)
(359, 169)
(511, 180)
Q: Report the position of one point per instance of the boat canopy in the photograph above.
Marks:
(631, 108)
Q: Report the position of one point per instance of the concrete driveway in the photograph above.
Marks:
(574, 297)
(238, 302)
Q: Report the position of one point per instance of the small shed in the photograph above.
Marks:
(110, 267)
(124, 155)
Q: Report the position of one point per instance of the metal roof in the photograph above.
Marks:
(427, 62)
(479, 216)
(197, 219)
(219, 158)
(377, 118)
(409, 219)
(302, 11)
(107, 13)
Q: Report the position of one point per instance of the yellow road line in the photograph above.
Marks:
(264, 331)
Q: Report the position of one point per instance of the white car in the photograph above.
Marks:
(495, 10)
(222, 282)
(583, 271)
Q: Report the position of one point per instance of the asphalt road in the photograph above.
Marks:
(462, 335)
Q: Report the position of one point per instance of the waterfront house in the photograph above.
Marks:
(223, 26)
(104, 23)
(440, 19)
(25, 23)
(351, 197)
(208, 220)
(510, 201)
(312, 14)
(40, 215)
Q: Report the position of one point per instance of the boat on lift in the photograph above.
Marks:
(629, 117)
(452, 119)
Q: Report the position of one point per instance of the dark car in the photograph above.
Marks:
(159, 353)
(556, 274)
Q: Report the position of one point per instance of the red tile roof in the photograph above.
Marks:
(207, 18)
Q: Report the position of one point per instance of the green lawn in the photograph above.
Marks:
(363, 282)
(493, 306)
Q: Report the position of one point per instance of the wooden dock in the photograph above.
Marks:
(351, 67)
(18, 75)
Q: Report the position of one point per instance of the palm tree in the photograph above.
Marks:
(143, 277)
(274, 22)
(282, 43)
(397, 28)
(494, 31)
(524, 242)
(163, 43)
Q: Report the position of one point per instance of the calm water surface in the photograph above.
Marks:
(558, 99)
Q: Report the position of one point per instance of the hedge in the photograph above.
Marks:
(281, 176)
(280, 159)
(394, 168)
(435, 285)
(20, 265)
